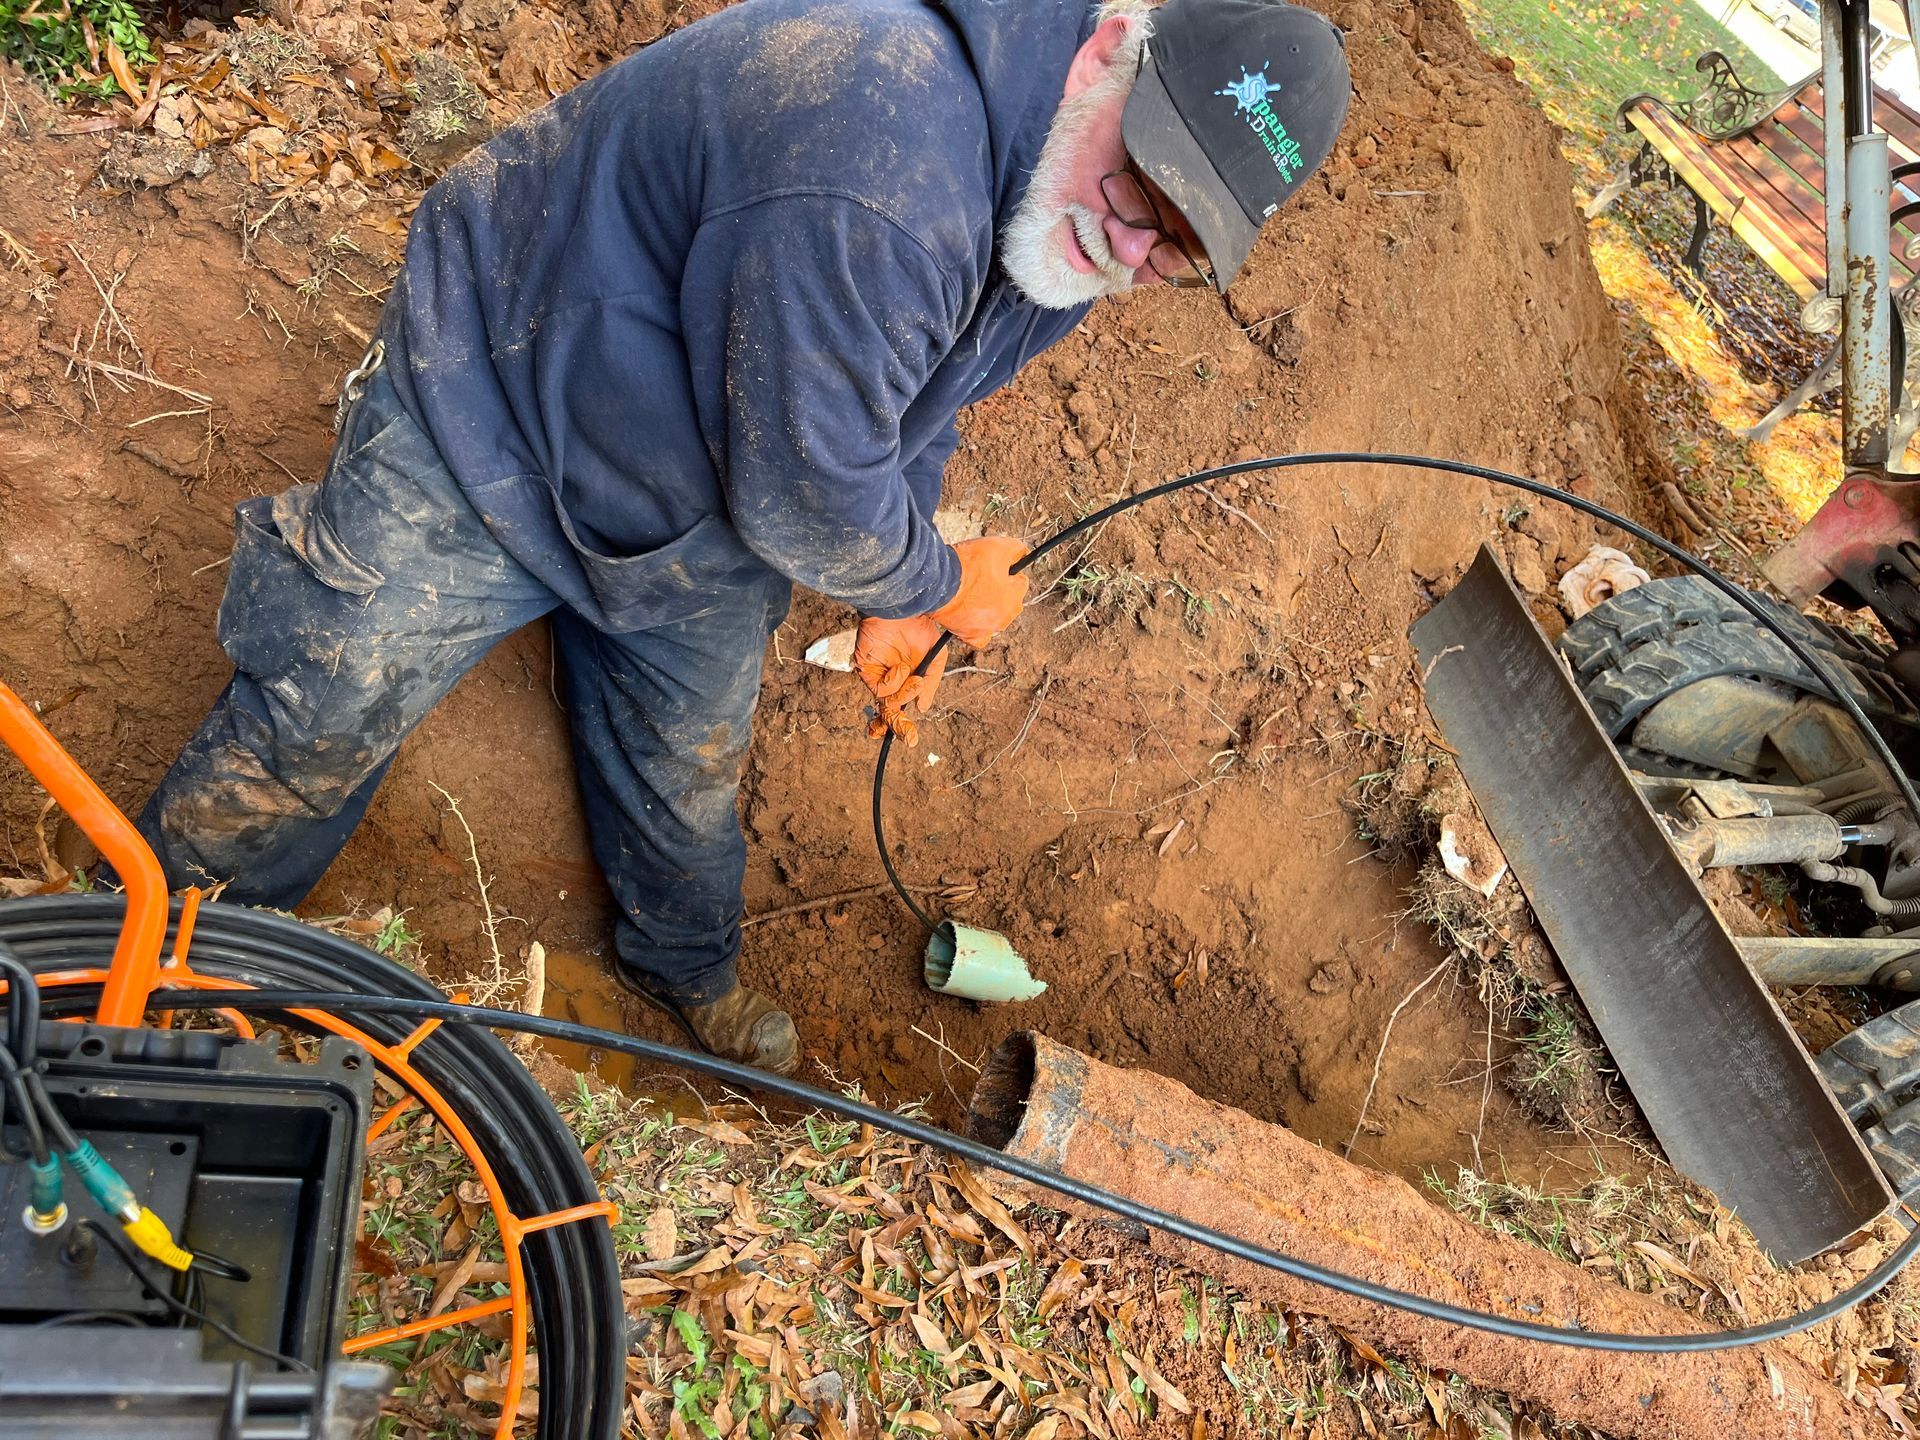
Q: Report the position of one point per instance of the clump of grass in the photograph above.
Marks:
(397, 936)
(1561, 1061)
(262, 54)
(1398, 807)
(1098, 594)
(449, 113)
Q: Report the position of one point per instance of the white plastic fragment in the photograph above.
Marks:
(832, 652)
(1468, 850)
(1603, 574)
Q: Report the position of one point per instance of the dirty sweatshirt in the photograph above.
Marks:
(712, 313)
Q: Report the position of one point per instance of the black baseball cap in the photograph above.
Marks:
(1236, 104)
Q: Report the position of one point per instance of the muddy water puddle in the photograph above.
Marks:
(581, 989)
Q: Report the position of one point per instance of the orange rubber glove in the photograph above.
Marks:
(887, 652)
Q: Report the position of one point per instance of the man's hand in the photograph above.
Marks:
(887, 652)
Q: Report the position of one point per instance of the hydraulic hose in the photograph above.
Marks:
(573, 1277)
(1868, 808)
(1836, 689)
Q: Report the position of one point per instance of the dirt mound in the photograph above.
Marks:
(1142, 785)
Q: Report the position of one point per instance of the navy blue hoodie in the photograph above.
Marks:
(713, 312)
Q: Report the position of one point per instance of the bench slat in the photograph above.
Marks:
(1800, 122)
(1769, 183)
(1800, 263)
(1901, 124)
(1772, 181)
(1807, 160)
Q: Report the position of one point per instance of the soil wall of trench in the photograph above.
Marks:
(1143, 783)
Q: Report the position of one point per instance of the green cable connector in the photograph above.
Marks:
(103, 1183)
(46, 1210)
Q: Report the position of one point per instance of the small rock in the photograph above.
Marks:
(825, 1391)
(1082, 405)
(1542, 525)
(833, 652)
(1330, 979)
(1529, 574)
(1470, 853)
(147, 161)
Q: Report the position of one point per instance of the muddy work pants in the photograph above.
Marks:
(354, 605)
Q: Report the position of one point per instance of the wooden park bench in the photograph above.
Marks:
(1756, 159)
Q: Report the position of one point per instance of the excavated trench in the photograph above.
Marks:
(1144, 785)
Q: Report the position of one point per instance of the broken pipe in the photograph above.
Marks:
(1156, 1142)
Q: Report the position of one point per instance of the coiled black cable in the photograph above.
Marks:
(74, 930)
(573, 1278)
(23, 1014)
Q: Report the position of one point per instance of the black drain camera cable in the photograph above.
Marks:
(1836, 688)
(51, 933)
(977, 1153)
(1761, 611)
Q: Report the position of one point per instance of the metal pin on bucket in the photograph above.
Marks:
(977, 965)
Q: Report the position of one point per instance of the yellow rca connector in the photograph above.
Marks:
(153, 1237)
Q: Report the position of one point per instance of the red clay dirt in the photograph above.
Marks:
(1142, 785)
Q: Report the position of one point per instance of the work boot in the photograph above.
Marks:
(742, 1025)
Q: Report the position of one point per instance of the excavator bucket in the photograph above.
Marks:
(1720, 1075)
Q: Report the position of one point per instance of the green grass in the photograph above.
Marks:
(1561, 1055)
(57, 43)
(1583, 57)
(397, 937)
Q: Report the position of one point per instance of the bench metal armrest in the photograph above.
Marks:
(1725, 107)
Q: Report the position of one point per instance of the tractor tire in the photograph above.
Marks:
(1633, 651)
(1874, 1072)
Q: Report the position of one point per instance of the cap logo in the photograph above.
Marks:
(1249, 95)
(1250, 92)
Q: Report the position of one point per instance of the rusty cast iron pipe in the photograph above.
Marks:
(1154, 1141)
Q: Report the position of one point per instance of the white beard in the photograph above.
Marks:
(1032, 249)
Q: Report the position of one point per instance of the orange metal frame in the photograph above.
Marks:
(136, 969)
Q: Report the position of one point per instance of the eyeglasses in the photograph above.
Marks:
(1132, 203)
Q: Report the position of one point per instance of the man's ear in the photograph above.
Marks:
(1093, 59)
